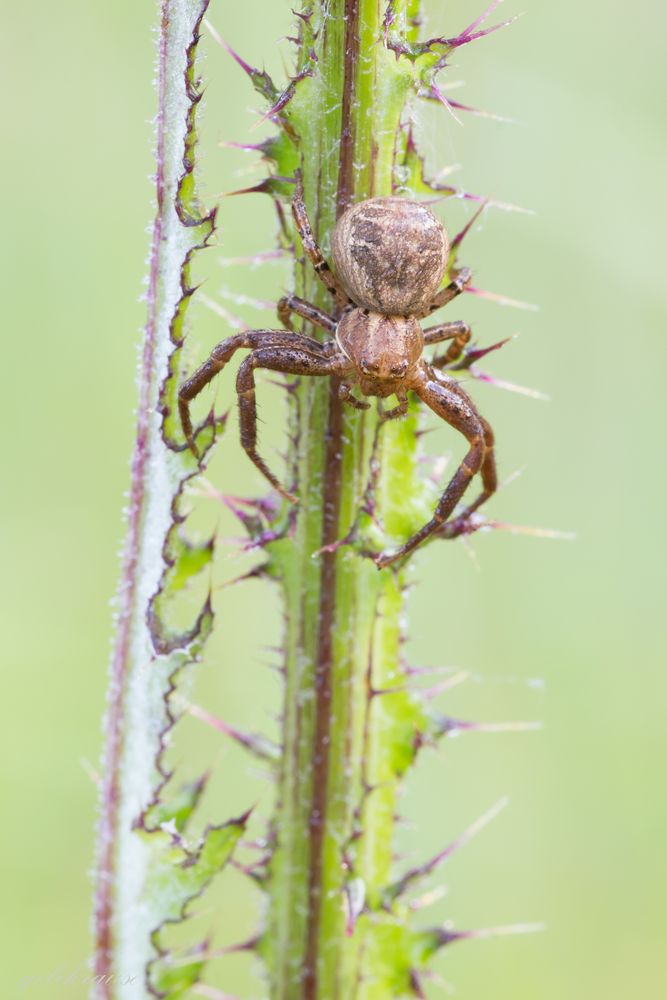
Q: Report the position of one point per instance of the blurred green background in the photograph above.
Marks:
(571, 633)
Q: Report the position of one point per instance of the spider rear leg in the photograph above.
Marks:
(311, 249)
(452, 404)
(293, 360)
(458, 332)
(489, 478)
(459, 284)
(293, 304)
(217, 360)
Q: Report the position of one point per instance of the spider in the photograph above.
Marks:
(390, 256)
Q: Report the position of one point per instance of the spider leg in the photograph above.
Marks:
(345, 394)
(452, 404)
(293, 360)
(293, 304)
(458, 332)
(219, 357)
(396, 411)
(317, 259)
(461, 280)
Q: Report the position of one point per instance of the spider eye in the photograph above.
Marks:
(399, 370)
(368, 367)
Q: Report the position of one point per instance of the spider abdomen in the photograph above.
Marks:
(390, 255)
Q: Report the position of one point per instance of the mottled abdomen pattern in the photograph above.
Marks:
(390, 255)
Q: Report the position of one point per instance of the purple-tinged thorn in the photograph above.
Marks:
(416, 874)
(502, 300)
(255, 743)
(469, 34)
(483, 114)
(446, 685)
(522, 529)
(255, 259)
(234, 321)
(500, 383)
(460, 236)
(428, 898)
(450, 725)
(416, 985)
(438, 95)
(481, 19)
(217, 37)
(264, 187)
(286, 96)
(485, 933)
(429, 671)
(248, 147)
(473, 354)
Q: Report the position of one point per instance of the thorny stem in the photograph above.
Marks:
(336, 801)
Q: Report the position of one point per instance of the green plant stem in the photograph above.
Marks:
(335, 817)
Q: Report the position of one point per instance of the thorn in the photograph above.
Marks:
(429, 671)
(248, 147)
(485, 114)
(438, 95)
(235, 322)
(400, 887)
(446, 685)
(267, 186)
(448, 725)
(258, 258)
(428, 898)
(481, 19)
(475, 353)
(255, 743)
(485, 933)
(459, 238)
(500, 383)
(521, 529)
(286, 96)
(246, 300)
(439, 981)
(470, 35)
(502, 300)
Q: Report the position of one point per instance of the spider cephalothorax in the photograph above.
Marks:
(390, 256)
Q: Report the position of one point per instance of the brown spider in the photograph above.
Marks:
(390, 256)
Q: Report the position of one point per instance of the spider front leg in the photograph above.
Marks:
(345, 393)
(458, 332)
(219, 357)
(396, 411)
(452, 404)
(292, 360)
(312, 250)
(293, 304)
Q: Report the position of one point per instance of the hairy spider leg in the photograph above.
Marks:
(317, 259)
(293, 360)
(293, 304)
(219, 357)
(345, 393)
(449, 292)
(452, 404)
(396, 411)
(458, 332)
